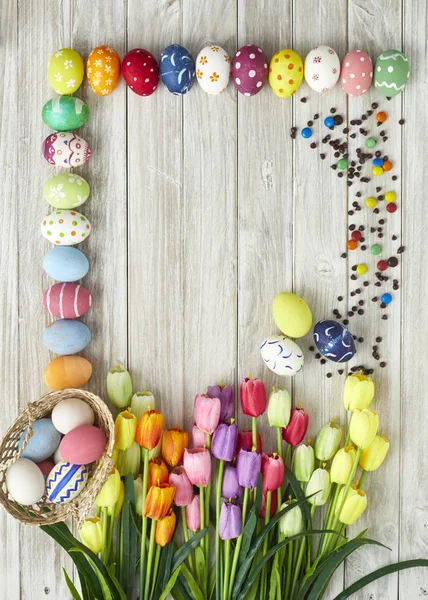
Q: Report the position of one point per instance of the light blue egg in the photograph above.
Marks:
(177, 69)
(65, 482)
(43, 443)
(66, 336)
(65, 263)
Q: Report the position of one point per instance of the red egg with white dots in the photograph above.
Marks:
(356, 73)
(249, 70)
(141, 71)
(67, 300)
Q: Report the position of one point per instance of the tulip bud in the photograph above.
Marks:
(224, 442)
(292, 522)
(165, 529)
(138, 493)
(363, 427)
(245, 442)
(303, 462)
(358, 393)
(149, 429)
(230, 524)
(158, 472)
(197, 463)
(193, 514)
(248, 465)
(373, 456)
(207, 413)
(354, 505)
(296, 429)
(272, 470)
(328, 441)
(183, 487)
(174, 441)
(230, 485)
(129, 461)
(119, 387)
(91, 534)
(125, 427)
(198, 437)
(119, 502)
(142, 402)
(320, 483)
(273, 505)
(279, 408)
(225, 395)
(342, 464)
(253, 397)
(158, 501)
(110, 491)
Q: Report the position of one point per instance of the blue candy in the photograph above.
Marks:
(334, 341)
(378, 162)
(306, 132)
(329, 122)
(177, 69)
(386, 298)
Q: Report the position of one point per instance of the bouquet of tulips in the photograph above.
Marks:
(245, 516)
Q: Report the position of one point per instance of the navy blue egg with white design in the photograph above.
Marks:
(334, 341)
(281, 355)
(177, 69)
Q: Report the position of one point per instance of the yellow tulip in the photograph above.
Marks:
(110, 491)
(129, 461)
(363, 427)
(125, 427)
(372, 457)
(91, 534)
(119, 502)
(138, 492)
(354, 505)
(359, 392)
(142, 402)
(328, 441)
(342, 464)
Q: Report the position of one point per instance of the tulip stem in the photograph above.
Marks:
(105, 532)
(207, 511)
(254, 431)
(328, 515)
(266, 545)
(155, 570)
(150, 559)
(219, 483)
(279, 450)
(144, 525)
(186, 536)
(361, 481)
(309, 547)
(290, 555)
(239, 540)
(227, 570)
(203, 540)
(298, 566)
(287, 454)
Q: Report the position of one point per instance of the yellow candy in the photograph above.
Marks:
(390, 196)
(285, 72)
(361, 269)
(65, 71)
(291, 314)
(371, 202)
(377, 171)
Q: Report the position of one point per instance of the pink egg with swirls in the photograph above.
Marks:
(356, 73)
(249, 70)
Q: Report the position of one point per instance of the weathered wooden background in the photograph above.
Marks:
(202, 209)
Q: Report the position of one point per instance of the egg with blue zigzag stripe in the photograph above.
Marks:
(177, 69)
(334, 341)
(65, 482)
(281, 355)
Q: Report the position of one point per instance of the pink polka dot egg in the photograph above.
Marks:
(249, 70)
(356, 73)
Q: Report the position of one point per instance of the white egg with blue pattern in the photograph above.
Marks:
(65, 482)
(281, 355)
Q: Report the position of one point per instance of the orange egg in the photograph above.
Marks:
(67, 372)
(103, 70)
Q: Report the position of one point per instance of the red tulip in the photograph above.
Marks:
(272, 472)
(207, 413)
(253, 397)
(297, 426)
(245, 442)
(273, 505)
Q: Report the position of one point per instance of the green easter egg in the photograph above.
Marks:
(64, 113)
(66, 190)
(391, 72)
(291, 314)
(65, 71)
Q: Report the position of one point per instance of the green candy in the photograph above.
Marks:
(64, 113)
(370, 143)
(66, 190)
(391, 73)
(376, 249)
(342, 164)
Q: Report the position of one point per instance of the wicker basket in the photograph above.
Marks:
(44, 512)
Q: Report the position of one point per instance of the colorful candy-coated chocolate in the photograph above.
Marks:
(377, 171)
(66, 190)
(44, 441)
(306, 132)
(351, 245)
(391, 207)
(67, 300)
(213, 69)
(67, 372)
(371, 202)
(103, 70)
(356, 235)
(64, 113)
(65, 71)
(66, 336)
(382, 265)
(334, 341)
(83, 445)
(375, 249)
(66, 149)
(285, 72)
(177, 69)
(65, 263)
(377, 162)
(65, 227)
(387, 165)
(249, 70)
(342, 164)
(390, 196)
(140, 71)
(370, 142)
(361, 269)
(329, 122)
(356, 73)
(65, 482)
(386, 298)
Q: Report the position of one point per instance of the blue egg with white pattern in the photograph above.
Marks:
(177, 69)
(65, 482)
(334, 341)
(43, 443)
(281, 355)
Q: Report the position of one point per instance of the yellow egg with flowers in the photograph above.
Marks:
(65, 71)
(291, 314)
(285, 72)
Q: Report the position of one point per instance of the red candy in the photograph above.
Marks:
(140, 71)
(391, 207)
(382, 265)
(249, 70)
(356, 235)
(67, 300)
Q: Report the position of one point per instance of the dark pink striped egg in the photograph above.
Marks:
(67, 300)
(249, 70)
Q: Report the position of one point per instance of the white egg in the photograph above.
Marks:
(322, 68)
(72, 413)
(25, 482)
(281, 355)
(213, 69)
(57, 456)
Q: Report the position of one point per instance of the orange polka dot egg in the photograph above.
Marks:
(103, 70)
(285, 72)
(65, 227)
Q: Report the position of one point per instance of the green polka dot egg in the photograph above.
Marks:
(65, 71)
(65, 227)
(66, 190)
(391, 73)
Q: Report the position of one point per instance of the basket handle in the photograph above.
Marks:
(29, 418)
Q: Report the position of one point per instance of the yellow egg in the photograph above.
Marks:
(65, 71)
(291, 314)
(285, 72)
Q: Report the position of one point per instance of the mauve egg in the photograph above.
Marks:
(67, 300)
(140, 71)
(356, 73)
(83, 445)
(249, 70)
(46, 467)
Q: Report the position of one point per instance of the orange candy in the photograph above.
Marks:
(103, 70)
(387, 165)
(381, 117)
(351, 244)
(67, 372)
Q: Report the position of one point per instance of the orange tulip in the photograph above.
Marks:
(165, 529)
(174, 442)
(149, 429)
(158, 472)
(159, 500)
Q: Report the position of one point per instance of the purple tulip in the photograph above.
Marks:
(224, 441)
(248, 465)
(225, 395)
(230, 525)
(230, 487)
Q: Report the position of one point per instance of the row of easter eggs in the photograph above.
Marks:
(213, 68)
(54, 462)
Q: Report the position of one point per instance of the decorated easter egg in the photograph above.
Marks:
(65, 149)
(213, 69)
(391, 72)
(66, 190)
(177, 69)
(281, 355)
(141, 71)
(64, 263)
(25, 482)
(65, 227)
(285, 72)
(46, 467)
(67, 372)
(57, 456)
(83, 445)
(66, 336)
(44, 441)
(291, 314)
(334, 341)
(356, 73)
(103, 70)
(65, 482)
(65, 71)
(249, 70)
(322, 68)
(64, 113)
(67, 300)
(71, 413)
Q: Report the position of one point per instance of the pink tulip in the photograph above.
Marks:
(183, 487)
(197, 463)
(207, 413)
(272, 472)
(198, 437)
(193, 514)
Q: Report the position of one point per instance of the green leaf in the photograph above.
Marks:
(74, 593)
(193, 586)
(111, 588)
(298, 492)
(170, 584)
(379, 573)
(106, 589)
(211, 583)
(164, 569)
(275, 578)
(184, 551)
(200, 564)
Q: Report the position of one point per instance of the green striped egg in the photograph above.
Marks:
(391, 73)
(66, 190)
(64, 113)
